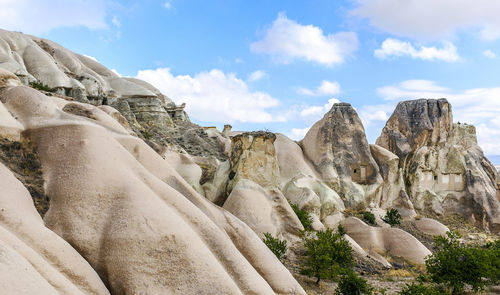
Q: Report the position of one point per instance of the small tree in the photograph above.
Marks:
(419, 289)
(456, 265)
(352, 284)
(328, 254)
(304, 217)
(277, 246)
(392, 217)
(369, 217)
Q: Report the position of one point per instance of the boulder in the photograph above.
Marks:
(392, 242)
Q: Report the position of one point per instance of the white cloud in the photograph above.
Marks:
(298, 133)
(91, 57)
(314, 113)
(257, 75)
(41, 16)
(168, 4)
(214, 96)
(371, 114)
(478, 106)
(394, 47)
(325, 88)
(288, 40)
(489, 54)
(116, 72)
(432, 19)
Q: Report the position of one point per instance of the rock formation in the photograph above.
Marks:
(253, 189)
(445, 170)
(131, 216)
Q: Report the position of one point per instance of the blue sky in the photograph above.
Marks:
(279, 65)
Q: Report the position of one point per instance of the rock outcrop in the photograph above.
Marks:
(253, 188)
(444, 169)
(136, 221)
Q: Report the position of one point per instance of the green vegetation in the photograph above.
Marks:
(40, 86)
(352, 284)
(146, 134)
(419, 289)
(277, 246)
(392, 217)
(456, 265)
(369, 217)
(303, 216)
(328, 254)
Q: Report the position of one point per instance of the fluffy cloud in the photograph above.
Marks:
(41, 16)
(489, 54)
(168, 4)
(314, 113)
(393, 47)
(214, 96)
(288, 40)
(298, 133)
(424, 19)
(256, 76)
(325, 88)
(479, 106)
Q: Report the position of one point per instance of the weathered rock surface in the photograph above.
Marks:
(34, 260)
(253, 189)
(392, 242)
(445, 170)
(138, 223)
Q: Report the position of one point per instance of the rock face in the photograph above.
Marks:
(34, 260)
(393, 242)
(444, 169)
(253, 189)
(139, 225)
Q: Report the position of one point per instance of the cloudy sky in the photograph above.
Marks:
(280, 65)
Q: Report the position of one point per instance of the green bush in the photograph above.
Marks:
(277, 246)
(304, 217)
(456, 265)
(40, 86)
(328, 254)
(369, 217)
(352, 284)
(419, 289)
(392, 217)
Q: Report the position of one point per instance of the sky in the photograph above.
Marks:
(280, 65)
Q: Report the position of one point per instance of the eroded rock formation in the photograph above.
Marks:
(444, 169)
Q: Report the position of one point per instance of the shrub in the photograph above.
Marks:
(369, 217)
(328, 254)
(277, 246)
(352, 284)
(304, 217)
(419, 289)
(392, 217)
(456, 265)
(40, 86)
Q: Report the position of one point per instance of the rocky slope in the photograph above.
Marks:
(136, 199)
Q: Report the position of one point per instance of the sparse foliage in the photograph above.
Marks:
(419, 289)
(392, 217)
(457, 265)
(369, 217)
(40, 86)
(352, 284)
(328, 254)
(304, 217)
(277, 246)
